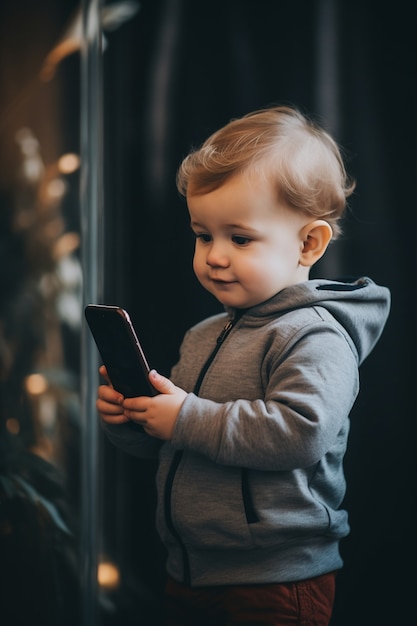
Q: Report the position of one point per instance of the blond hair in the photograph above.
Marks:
(301, 160)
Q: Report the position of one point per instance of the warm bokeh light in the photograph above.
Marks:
(108, 575)
(13, 426)
(68, 163)
(66, 244)
(36, 384)
(56, 188)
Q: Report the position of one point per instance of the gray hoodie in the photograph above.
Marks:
(251, 484)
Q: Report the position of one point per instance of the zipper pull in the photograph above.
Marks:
(227, 328)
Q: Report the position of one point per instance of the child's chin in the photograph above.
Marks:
(234, 303)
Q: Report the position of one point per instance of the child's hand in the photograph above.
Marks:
(110, 402)
(157, 414)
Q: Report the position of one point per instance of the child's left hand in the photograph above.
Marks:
(157, 414)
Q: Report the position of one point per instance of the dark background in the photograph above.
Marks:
(192, 67)
(174, 73)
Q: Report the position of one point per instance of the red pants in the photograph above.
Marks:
(303, 603)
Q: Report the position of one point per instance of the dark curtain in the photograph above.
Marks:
(175, 73)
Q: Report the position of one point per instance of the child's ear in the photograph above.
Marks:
(315, 237)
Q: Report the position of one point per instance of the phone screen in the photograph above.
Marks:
(120, 350)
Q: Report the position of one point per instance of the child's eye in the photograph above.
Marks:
(240, 240)
(203, 237)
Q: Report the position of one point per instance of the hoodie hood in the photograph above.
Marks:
(360, 306)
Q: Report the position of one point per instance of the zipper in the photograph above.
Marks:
(179, 453)
(225, 331)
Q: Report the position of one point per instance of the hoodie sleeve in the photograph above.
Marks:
(309, 392)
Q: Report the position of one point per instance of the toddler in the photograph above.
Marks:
(252, 426)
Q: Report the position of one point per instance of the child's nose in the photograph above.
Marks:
(217, 255)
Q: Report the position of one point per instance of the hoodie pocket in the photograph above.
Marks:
(211, 506)
(251, 514)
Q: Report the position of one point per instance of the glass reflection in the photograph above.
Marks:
(42, 511)
(40, 304)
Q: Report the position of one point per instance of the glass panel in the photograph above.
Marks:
(92, 251)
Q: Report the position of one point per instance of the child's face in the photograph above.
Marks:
(248, 246)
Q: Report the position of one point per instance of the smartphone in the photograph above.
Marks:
(120, 349)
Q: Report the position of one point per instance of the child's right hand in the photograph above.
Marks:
(110, 402)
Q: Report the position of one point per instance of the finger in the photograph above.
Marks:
(136, 415)
(108, 408)
(161, 383)
(103, 373)
(109, 394)
(139, 404)
(113, 419)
